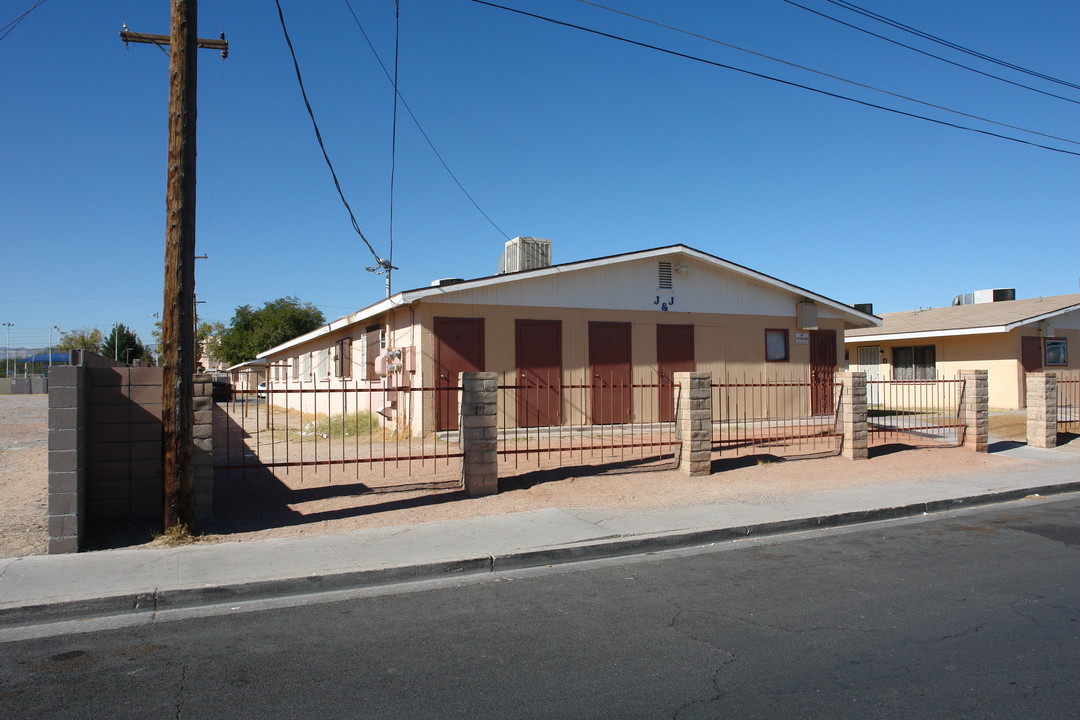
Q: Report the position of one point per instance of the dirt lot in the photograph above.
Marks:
(24, 475)
(259, 506)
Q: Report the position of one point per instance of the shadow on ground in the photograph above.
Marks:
(524, 480)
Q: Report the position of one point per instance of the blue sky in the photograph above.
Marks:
(601, 146)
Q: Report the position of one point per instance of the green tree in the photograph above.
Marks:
(123, 345)
(251, 331)
(85, 339)
(206, 335)
(205, 338)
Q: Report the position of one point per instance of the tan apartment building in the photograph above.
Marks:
(1006, 337)
(606, 323)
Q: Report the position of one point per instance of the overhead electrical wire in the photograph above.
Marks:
(931, 55)
(393, 131)
(771, 78)
(825, 74)
(427, 139)
(318, 136)
(948, 43)
(6, 30)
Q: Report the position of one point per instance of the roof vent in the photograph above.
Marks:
(664, 281)
(525, 253)
(443, 282)
(867, 308)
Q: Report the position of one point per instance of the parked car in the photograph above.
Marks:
(262, 389)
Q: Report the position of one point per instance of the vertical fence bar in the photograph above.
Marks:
(586, 414)
(367, 419)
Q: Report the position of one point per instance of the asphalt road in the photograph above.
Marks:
(967, 615)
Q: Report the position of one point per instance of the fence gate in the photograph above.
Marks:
(915, 412)
(1068, 402)
(329, 431)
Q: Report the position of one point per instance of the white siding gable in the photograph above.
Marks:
(635, 285)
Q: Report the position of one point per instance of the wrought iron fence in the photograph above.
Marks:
(915, 412)
(329, 429)
(555, 420)
(784, 416)
(1068, 402)
(399, 435)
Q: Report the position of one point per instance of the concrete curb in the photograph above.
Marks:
(607, 548)
(618, 547)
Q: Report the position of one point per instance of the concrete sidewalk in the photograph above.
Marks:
(50, 588)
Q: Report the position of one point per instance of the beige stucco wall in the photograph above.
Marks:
(997, 353)
(727, 346)
(730, 347)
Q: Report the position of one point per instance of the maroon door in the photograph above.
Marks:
(822, 371)
(609, 363)
(539, 370)
(1031, 360)
(459, 347)
(674, 353)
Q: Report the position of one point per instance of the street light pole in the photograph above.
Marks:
(57, 329)
(7, 349)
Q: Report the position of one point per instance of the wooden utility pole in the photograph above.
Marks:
(177, 320)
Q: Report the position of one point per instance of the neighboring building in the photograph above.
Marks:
(1008, 338)
(633, 318)
(245, 376)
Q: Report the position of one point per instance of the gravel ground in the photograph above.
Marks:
(24, 475)
(261, 506)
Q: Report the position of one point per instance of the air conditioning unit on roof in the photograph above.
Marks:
(525, 253)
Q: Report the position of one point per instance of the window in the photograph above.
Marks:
(322, 364)
(369, 350)
(915, 362)
(295, 363)
(776, 345)
(869, 357)
(343, 358)
(1057, 351)
(305, 366)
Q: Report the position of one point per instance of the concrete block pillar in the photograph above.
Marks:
(67, 459)
(693, 418)
(975, 410)
(202, 454)
(851, 416)
(1042, 409)
(477, 432)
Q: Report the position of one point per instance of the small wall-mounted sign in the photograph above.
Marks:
(664, 302)
(802, 338)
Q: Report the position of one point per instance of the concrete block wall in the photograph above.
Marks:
(693, 409)
(123, 444)
(851, 417)
(1042, 409)
(478, 432)
(67, 459)
(975, 410)
(202, 454)
(105, 451)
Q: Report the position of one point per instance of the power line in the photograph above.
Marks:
(419, 127)
(762, 76)
(318, 136)
(825, 74)
(6, 30)
(931, 55)
(948, 43)
(393, 131)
